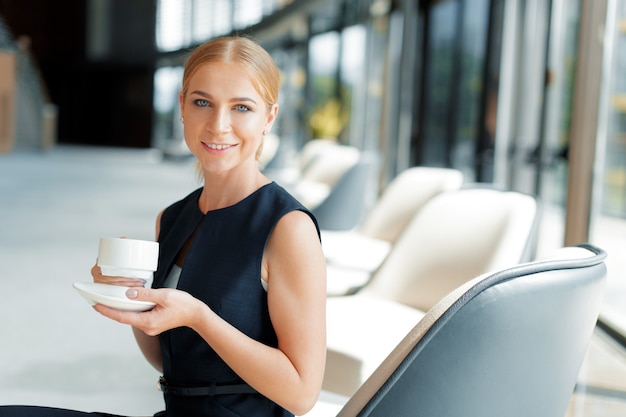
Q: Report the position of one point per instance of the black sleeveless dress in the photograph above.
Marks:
(223, 269)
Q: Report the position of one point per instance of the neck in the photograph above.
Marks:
(226, 190)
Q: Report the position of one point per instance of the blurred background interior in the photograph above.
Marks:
(526, 96)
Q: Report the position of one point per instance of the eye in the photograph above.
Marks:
(242, 108)
(201, 102)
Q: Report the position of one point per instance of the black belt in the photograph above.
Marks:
(211, 390)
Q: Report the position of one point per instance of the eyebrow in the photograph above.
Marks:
(207, 95)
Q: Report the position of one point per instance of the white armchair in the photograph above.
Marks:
(455, 237)
(352, 256)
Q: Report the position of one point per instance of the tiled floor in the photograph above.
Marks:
(54, 206)
(601, 388)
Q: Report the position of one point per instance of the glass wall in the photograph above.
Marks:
(352, 76)
(613, 201)
(440, 88)
(328, 114)
(345, 75)
(452, 118)
(292, 102)
(183, 23)
(472, 153)
(552, 153)
(608, 222)
(167, 130)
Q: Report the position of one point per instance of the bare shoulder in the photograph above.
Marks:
(293, 247)
(296, 225)
(298, 218)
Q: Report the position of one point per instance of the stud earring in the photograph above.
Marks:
(265, 132)
(182, 120)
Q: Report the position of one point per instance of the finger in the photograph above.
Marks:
(145, 294)
(140, 320)
(124, 317)
(139, 283)
(117, 280)
(96, 271)
(122, 281)
(162, 297)
(128, 282)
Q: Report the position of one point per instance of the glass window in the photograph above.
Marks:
(551, 158)
(613, 200)
(352, 76)
(247, 13)
(608, 222)
(291, 122)
(470, 86)
(456, 41)
(180, 23)
(167, 83)
(324, 118)
(172, 28)
(203, 19)
(352, 55)
(439, 72)
(222, 17)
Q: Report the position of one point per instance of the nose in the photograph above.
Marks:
(219, 121)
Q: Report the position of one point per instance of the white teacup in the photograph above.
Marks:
(130, 258)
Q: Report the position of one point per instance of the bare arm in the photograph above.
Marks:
(292, 374)
(150, 348)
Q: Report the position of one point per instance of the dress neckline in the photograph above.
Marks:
(243, 200)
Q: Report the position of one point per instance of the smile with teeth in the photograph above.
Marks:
(218, 147)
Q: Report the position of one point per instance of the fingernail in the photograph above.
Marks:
(131, 293)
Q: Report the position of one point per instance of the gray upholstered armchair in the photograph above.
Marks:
(508, 343)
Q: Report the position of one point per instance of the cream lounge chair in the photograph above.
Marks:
(455, 237)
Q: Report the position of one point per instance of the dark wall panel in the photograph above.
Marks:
(107, 101)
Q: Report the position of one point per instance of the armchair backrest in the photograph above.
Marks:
(455, 237)
(404, 196)
(509, 343)
(348, 200)
(328, 162)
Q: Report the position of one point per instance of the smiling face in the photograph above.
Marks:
(225, 117)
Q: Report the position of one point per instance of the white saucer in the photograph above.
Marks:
(113, 296)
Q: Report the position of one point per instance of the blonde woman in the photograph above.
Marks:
(240, 292)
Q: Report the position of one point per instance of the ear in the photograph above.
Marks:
(181, 102)
(271, 117)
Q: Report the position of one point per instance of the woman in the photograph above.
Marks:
(241, 330)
